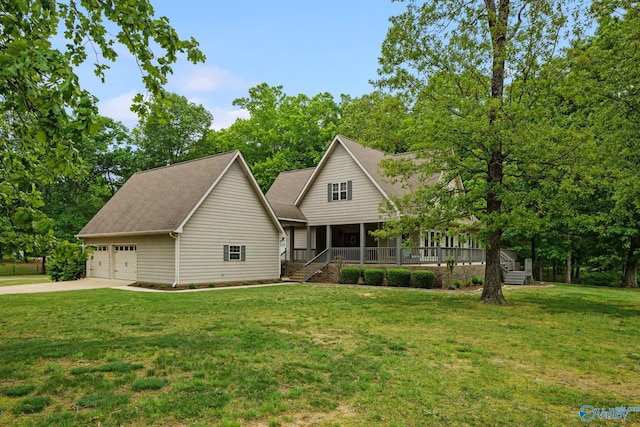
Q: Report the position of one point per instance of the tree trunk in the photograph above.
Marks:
(44, 265)
(492, 289)
(630, 279)
(498, 20)
(567, 278)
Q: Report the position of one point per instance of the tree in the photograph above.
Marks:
(171, 131)
(471, 70)
(378, 120)
(106, 162)
(284, 132)
(604, 75)
(43, 109)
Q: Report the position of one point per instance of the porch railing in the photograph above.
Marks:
(317, 263)
(433, 255)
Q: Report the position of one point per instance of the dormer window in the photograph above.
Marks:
(339, 191)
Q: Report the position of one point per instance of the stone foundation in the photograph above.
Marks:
(331, 274)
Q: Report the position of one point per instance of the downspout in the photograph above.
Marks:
(176, 279)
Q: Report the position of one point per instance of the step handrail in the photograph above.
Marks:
(321, 261)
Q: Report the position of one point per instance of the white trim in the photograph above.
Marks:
(325, 158)
(122, 234)
(206, 193)
(252, 180)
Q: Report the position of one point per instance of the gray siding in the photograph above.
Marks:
(156, 262)
(231, 215)
(366, 198)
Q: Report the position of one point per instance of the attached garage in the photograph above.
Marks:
(100, 265)
(171, 225)
(125, 262)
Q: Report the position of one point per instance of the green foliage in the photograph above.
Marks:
(597, 278)
(373, 276)
(423, 278)
(45, 114)
(164, 142)
(283, 132)
(458, 283)
(477, 280)
(68, 261)
(350, 275)
(399, 277)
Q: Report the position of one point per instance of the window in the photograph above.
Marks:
(234, 252)
(339, 191)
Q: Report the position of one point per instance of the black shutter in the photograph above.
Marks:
(349, 186)
(226, 252)
(242, 253)
(329, 193)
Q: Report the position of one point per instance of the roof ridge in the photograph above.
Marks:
(187, 161)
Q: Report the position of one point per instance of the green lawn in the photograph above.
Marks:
(317, 355)
(23, 280)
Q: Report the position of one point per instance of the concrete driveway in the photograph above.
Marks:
(74, 285)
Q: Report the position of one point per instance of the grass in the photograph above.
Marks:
(8, 268)
(24, 280)
(317, 355)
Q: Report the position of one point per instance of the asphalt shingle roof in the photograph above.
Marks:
(158, 200)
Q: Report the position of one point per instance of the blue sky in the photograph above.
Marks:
(307, 47)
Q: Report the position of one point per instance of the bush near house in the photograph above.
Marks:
(399, 277)
(477, 280)
(67, 262)
(373, 276)
(349, 275)
(423, 278)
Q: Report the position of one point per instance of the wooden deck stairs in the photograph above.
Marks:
(510, 275)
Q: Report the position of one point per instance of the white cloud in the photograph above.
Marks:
(208, 79)
(119, 108)
(222, 118)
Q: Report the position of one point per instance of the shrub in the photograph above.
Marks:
(423, 278)
(477, 280)
(600, 278)
(67, 262)
(349, 275)
(457, 283)
(373, 276)
(399, 277)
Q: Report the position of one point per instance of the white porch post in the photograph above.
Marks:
(308, 243)
(399, 250)
(362, 243)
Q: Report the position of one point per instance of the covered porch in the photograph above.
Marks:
(354, 244)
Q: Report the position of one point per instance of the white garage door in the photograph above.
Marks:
(100, 262)
(126, 262)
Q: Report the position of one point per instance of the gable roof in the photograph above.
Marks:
(368, 159)
(162, 200)
(284, 191)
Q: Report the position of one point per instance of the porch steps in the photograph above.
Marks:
(515, 277)
(295, 272)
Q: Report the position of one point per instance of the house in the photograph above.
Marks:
(202, 221)
(331, 210)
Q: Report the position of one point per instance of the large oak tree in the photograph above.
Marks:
(470, 71)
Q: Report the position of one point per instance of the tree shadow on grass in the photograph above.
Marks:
(580, 303)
